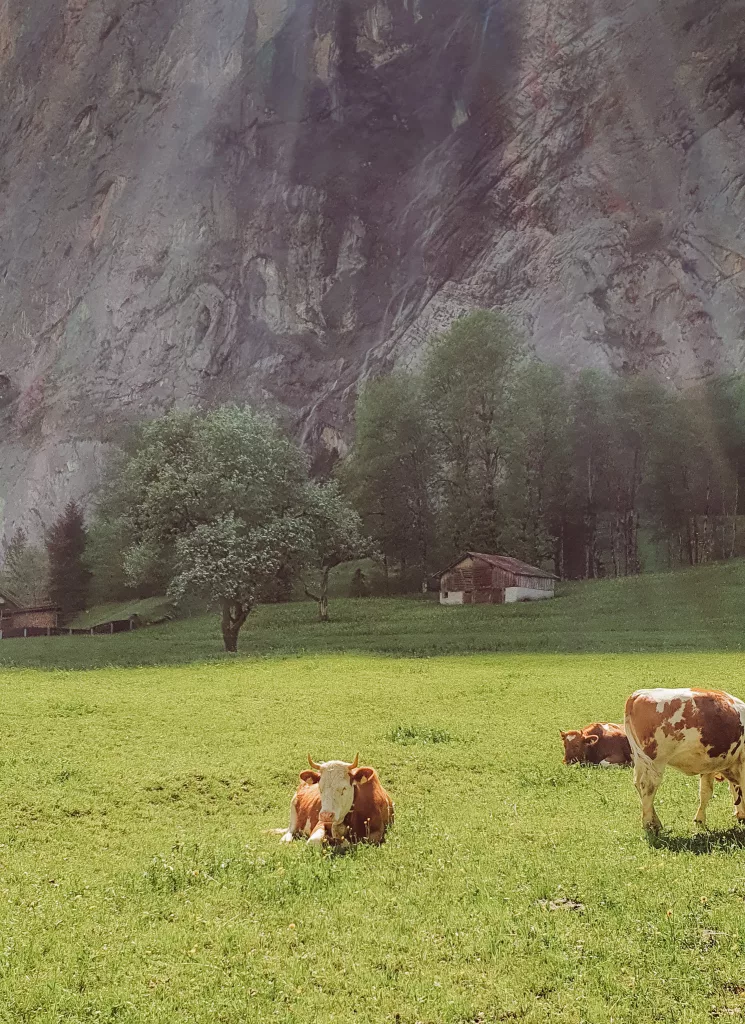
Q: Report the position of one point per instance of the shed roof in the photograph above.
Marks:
(38, 608)
(504, 562)
(7, 597)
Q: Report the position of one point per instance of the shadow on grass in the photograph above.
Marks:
(702, 842)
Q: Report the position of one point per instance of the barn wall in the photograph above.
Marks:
(41, 619)
(513, 594)
(451, 597)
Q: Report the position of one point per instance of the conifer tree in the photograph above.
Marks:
(69, 576)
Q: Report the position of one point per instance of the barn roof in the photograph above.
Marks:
(505, 563)
(6, 597)
(39, 608)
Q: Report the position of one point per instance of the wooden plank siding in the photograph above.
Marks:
(482, 582)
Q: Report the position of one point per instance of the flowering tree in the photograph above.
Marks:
(218, 502)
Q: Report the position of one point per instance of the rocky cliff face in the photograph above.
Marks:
(208, 199)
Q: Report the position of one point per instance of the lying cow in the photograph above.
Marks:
(337, 801)
(601, 743)
(699, 732)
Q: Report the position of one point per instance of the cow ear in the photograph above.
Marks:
(562, 733)
(592, 739)
(310, 776)
(362, 775)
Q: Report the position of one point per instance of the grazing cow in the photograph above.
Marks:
(336, 801)
(601, 743)
(699, 732)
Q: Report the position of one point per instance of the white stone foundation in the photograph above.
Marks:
(512, 594)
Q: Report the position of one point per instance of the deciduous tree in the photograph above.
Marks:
(220, 501)
(25, 573)
(388, 475)
(468, 382)
(338, 537)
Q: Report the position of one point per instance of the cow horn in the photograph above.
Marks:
(356, 762)
(312, 763)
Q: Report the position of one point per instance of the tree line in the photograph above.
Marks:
(482, 447)
(52, 573)
(485, 448)
(218, 505)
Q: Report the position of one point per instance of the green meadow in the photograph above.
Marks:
(141, 773)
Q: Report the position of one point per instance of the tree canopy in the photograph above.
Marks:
(25, 573)
(487, 448)
(69, 575)
(216, 502)
(338, 536)
(220, 504)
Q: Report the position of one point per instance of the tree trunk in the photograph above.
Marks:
(689, 538)
(706, 542)
(234, 614)
(696, 541)
(323, 600)
(560, 567)
(613, 525)
(734, 511)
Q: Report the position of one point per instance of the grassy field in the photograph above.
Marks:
(139, 883)
(693, 610)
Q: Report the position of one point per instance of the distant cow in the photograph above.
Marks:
(336, 801)
(601, 743)
(699, 732)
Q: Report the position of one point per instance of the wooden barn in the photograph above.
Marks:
(9, 605)
(476, 578)
(15, 616)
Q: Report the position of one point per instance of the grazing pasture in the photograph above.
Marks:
(139, 885)
(690, 610)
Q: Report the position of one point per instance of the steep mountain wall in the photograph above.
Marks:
(206, 199)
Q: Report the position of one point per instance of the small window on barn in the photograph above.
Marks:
(446, 593)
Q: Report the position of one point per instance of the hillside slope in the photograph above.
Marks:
(206, 199)
(693, 610)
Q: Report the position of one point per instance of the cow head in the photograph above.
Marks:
(337, 781)
(577, 745)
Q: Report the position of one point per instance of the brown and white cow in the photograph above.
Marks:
(699, 732)
(336, 801)
(602, 743)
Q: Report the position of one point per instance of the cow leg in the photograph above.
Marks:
(317, 835)
(737, 789)
(292, 828)
(705, 791)
(647, 779)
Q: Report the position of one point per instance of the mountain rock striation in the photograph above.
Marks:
(205, 200)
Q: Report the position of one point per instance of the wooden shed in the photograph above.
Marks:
(9, 605)
(45, 616)
(477, 578)
(14, 615)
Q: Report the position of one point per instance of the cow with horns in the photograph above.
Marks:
(699, 732)
(602, 743)
(337, 801)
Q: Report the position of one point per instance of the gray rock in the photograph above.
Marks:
(272, 199)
